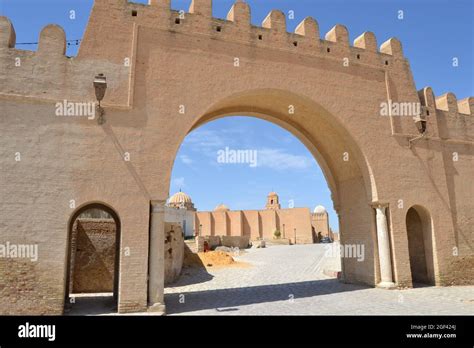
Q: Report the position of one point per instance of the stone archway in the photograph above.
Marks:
(183, 73)
(345, 167)
(420, 244)
(320, 131)
(93, 263)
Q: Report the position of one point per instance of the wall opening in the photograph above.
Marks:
(232, 198)
(233, 163)
(93, 260)
(250, 181)
(420, 245)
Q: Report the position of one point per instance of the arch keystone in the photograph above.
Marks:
(239, 13)
(202, 7)
(447, 102)
(308, 27)
(275, 20)
(338, 34)
(52, 40)
(7, 33)
(366, 41)
(392, 46)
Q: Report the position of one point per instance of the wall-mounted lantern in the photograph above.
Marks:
(100, 86)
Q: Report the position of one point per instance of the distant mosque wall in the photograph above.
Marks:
(320, 223)
(298, 225)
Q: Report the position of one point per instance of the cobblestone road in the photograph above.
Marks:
(288, 280)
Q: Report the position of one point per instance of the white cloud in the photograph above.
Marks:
(200, 140)
(186, 159)
(208, 142)
(278, 159)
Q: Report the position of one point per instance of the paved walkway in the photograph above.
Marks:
(288, 280)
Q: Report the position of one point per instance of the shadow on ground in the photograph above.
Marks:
(92, 304)
(225, 300)
(199, 275)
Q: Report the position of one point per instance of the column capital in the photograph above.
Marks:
(379, 204)
(158, 206)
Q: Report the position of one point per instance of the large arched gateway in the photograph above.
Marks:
(167, 74)
(334, 149)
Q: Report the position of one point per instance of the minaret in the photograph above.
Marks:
(273, 202)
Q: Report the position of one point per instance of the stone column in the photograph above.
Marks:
(341, 241)
(383, 242)
(156, 263)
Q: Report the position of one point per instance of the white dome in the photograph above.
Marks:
(222, 207)
(180, 197)
(320, 210)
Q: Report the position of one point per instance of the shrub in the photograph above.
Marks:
(277, 234)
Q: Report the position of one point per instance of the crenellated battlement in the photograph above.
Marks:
(272, 33)
(52, 39)
(7, 33)
(236, 27)
(114, 24)
(447, 103)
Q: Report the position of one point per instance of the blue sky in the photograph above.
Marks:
(433, 32)
(284, 165)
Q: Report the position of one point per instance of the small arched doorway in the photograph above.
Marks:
(92, 279)
(420, 245)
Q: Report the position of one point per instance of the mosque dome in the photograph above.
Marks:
(222, 207)
(180, 197)
(320, 210)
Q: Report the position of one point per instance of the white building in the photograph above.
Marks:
(180, 209)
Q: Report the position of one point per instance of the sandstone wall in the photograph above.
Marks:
(320, 223)
(174, 252)
(93, 256)
(258, 224)
(189, 62)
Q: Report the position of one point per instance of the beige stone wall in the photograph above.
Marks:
(268, 219)
(93, 257)
(203, 223)
(337, 116)
(298, 219)
(320, 223)
(240, 242)
(252, 225)
(92, 265)
(174, 252)
(221, 223)
(259, 224)
(236, 223)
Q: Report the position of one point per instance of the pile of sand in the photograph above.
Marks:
(208, 259)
